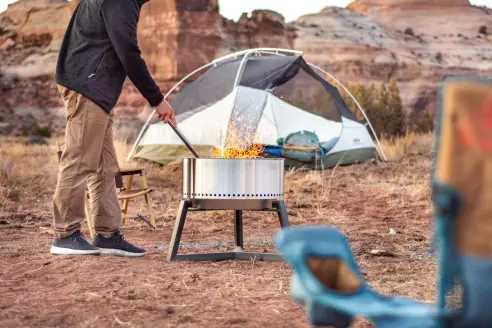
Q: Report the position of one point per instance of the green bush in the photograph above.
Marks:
(421, 121)
(483, 30)
(439, 57)
(409, 31)
(383, 106)
(36, 130)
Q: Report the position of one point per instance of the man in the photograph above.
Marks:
(99, 51)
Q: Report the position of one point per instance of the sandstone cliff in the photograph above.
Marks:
(417, 41)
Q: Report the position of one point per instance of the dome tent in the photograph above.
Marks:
(270, 93)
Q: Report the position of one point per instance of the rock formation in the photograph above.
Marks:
(368, 6)
(417, 41)
(437, 17)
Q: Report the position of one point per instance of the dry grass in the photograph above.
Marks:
(409, 144)
(409, 187)
(22, 165)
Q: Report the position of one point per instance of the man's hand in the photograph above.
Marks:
(165, 112)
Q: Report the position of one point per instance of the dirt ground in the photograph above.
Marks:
(364, 201)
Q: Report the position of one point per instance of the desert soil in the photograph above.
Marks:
(364, 201)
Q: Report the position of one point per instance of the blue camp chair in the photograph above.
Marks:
(326, 280)
(328, 283)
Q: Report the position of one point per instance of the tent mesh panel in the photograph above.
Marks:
(303, 91)
(290, 78)
(209, 88)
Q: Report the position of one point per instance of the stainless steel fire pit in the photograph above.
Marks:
(235, 184)
(255, 184)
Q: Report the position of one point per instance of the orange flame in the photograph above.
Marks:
(253, 151)
(240, 140)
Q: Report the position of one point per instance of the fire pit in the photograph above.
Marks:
(233, 183)
(238, 184)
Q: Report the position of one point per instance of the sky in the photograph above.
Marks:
(290, 9)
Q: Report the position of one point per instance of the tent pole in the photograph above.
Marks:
(236, 82)
(358, 105)
(239, 70)
(238, 53)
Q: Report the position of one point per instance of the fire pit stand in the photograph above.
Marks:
(212, 184)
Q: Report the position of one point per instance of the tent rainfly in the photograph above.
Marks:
(274, 92)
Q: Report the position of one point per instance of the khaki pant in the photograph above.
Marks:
(89, 159)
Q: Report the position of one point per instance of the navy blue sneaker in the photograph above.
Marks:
(75, 244)
(116, 245)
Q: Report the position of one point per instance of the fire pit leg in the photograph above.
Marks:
(238, 230)
(178, 229)
(282, 213)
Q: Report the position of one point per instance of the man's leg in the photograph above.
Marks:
(84, 136)
(106, 210)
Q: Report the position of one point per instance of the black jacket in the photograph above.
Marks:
(100, 50)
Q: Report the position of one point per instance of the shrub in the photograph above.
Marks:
(420, 121)
(483, 30)
(396, 113)
(439, 57)
(36, 130)
(383, 107)
(409, 31)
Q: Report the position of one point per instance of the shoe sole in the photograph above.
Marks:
(119, 252)
(67, 251)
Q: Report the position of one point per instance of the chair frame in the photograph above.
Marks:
(448, 204)
(144, 191)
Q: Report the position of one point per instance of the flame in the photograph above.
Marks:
(253, 151)
(241, 141)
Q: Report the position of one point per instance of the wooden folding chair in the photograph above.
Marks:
(125, 193)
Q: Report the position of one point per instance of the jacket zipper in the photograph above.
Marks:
(98, 66)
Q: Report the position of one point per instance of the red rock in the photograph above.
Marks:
(366, 6)
(365, 43)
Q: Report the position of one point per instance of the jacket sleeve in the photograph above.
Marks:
(121, 20)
